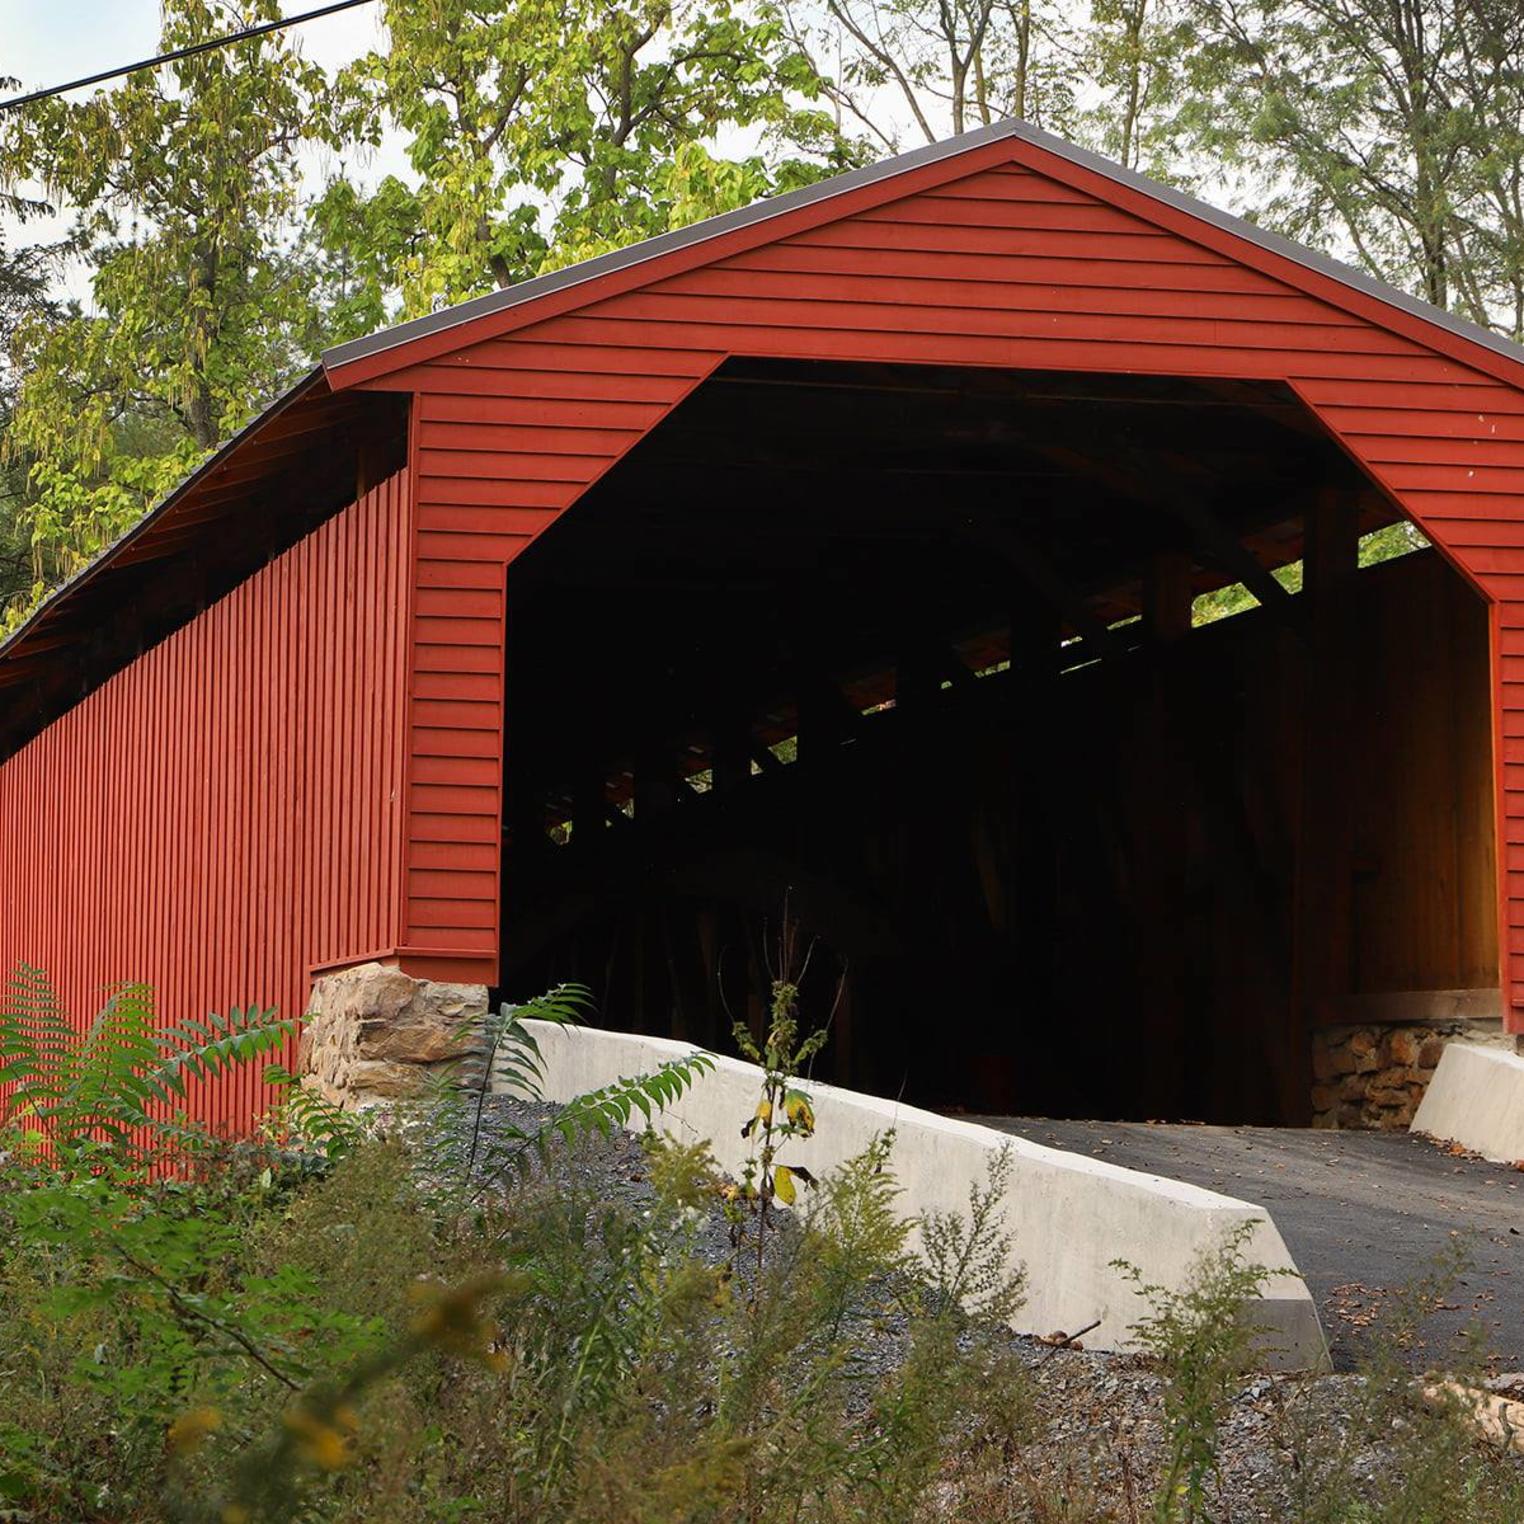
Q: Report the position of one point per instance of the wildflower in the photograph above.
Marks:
(323, 1440)
(453, 1322)
(189, 1430)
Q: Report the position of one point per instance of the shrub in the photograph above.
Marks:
(1202, 1335)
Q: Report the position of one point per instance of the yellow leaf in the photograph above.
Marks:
(764, 1111)
(189, 1429)
(797, 1105)
(783, 1185)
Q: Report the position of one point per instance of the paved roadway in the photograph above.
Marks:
(1364, 1215)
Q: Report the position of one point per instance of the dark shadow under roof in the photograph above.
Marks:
(288, 469)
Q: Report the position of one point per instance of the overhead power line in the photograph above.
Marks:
(187, 52)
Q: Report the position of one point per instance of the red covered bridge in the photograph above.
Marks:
(845, 545)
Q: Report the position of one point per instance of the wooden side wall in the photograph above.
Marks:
(1006, 256)
(1425, 863)
(225, 813)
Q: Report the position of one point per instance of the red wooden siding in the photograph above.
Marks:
(224, 813)
(1006, 256)
(503, 444)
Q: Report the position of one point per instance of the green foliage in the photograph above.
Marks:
(184, 183)
(319, 1129)
(69, 1091)
(254, 1339)
(783, 1110)
(968, 1259)
(502, 1055)
(24, 298)
(1387, 133)
(541, 134)
(1203, 1335)
(1106, 75)
(259, 1340)
(853, 1222)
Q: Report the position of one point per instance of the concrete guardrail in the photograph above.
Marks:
(1070, 1216)
(1476, 1099)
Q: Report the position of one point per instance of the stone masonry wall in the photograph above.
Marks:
(374, 1033)
(1373, 1077)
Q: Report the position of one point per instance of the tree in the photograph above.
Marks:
(185, 182)
(1386, 131)
(23, 296)
(546, 131)
(1132, 53)
(941, 65)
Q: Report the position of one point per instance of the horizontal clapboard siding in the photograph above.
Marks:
(224, 813)
(506, 437)
(1017, 259)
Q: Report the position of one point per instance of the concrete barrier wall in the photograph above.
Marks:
(1476, 1099)
(1070, 1216)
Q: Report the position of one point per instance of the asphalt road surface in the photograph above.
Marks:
(1364, 1214)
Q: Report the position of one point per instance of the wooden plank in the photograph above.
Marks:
(1322, 958)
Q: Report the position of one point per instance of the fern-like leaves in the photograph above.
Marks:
(511, 1062)
(312, 1124)
(119, 1081)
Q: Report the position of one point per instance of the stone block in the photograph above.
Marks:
(384, 1079)
(1353, 1087)
(373, 1032)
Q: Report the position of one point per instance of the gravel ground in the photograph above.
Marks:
(1099, 1435)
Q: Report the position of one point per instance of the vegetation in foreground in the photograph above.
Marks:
(452, 1316)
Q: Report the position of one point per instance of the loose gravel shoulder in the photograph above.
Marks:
(1099, 1433)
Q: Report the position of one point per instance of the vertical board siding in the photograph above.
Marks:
(1030, 262)
(224, 813)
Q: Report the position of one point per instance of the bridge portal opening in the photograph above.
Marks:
(1059, 708)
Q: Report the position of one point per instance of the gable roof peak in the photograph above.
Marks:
(1058, 151)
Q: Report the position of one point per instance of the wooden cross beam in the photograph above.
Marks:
(1130, 477)
(1039, 574)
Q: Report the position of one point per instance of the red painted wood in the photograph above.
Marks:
(1008, 257)
(310, 772)
(224, 814)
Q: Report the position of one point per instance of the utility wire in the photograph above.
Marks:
(196, 47)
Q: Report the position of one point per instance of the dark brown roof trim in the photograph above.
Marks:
(887, 169)
(103, 558)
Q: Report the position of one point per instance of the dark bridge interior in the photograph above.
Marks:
(915, 648)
